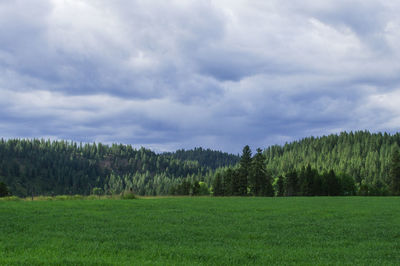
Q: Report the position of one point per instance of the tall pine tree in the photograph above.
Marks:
(292, 183)
(259, 179)
(244, 171)
(395, 172)
(217, 186)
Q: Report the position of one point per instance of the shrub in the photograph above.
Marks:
(10, 198)
(97, 191)
(43, 198)
(92, 197)
(127, 195)
(77, 197)
(63, 197)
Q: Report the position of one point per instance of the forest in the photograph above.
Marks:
(44, 167)
(358, 163)
(370, 159)
(354, 163)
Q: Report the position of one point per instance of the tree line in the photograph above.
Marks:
(358, 163)
(251, 178)
(368, 158)
(354, 163)
(44, 167)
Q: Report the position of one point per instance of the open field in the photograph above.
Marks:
(203, 230)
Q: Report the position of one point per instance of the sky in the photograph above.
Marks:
(176, 74)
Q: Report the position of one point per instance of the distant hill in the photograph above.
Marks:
(205, 157)
(44, 167)
(363, 155)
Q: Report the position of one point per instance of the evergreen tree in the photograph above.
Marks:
(244, 171)
(233, 180)
(259, 179)
(267, 189)
(195, 188)
(332, 184)
(306, 180)
(257, 173)
(395, 172)
(292, 183)
(217, 186)
(378, 188)
(183, 188)
(348, 185)
(280, 186)
(317, 188)
(4, 192)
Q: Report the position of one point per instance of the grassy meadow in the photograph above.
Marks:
(201, 231)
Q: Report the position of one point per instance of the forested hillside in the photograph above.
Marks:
(346, 164)
(364, 156)
(43, 167)
(205, 157)
(357, 163)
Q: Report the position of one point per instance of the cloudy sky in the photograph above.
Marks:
(182, 73)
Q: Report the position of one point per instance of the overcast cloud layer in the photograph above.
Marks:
(181, 74)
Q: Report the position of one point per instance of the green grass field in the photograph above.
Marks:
(202, 231)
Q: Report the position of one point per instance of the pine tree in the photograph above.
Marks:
(4, 192)
(333, 186)
(244, 171)
(306, 180)
(292, 183)
(195, 188)
(395, 172)
(348, 185)
(217, 185)
(230, 178)
(259, 179)
(280, 186)
(257, 173)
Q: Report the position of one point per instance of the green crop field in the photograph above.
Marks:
(202, 231)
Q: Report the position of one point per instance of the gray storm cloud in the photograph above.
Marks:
(180, 74)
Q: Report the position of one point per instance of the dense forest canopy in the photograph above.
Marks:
(205, 157)
(346, 164)
(59, 167)
(363, 155)
(358, 163)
